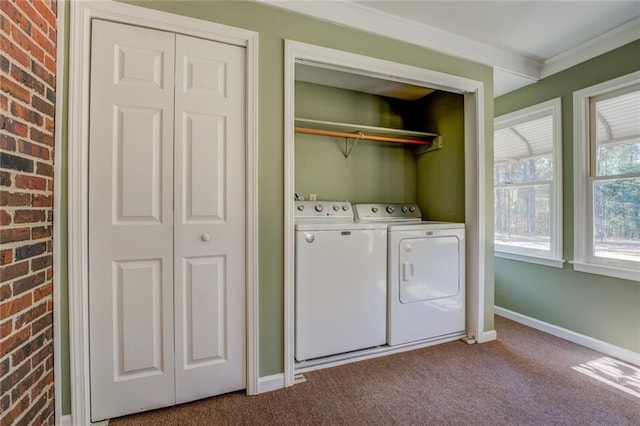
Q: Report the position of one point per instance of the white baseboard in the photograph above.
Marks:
(68, 421)
(488, 336)
(270, 383)
(265, 384)
(581, 339)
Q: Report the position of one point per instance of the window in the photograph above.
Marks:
(528, 184)
(607, 178)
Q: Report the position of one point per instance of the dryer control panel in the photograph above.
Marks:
(393, 212)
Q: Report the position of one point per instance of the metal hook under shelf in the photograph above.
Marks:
(347, 151)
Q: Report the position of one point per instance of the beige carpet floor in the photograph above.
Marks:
(526, 377)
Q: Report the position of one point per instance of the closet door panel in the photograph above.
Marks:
(138, 154)
(130, 220)
(209, 218)
(138, 306)
(204, 168)
(204, 291)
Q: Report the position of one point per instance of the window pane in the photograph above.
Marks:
(616, 159)
(616, 218)
(522, 217)
(618, 134)
(523, 171)
(527, 161)
(523, 140)
(544, 168)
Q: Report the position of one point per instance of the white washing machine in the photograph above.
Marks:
(426, 273)
(340, 281)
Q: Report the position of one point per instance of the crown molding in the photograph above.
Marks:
(522, 69)
(606, 42)
(374, 21)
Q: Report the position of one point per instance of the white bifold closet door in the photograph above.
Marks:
(166, 219)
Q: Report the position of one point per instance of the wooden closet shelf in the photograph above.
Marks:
(359, 132)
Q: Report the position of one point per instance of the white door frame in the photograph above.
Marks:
(475, 188)
(57, 209)
(82, 12)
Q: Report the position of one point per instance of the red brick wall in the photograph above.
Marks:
(27, 100)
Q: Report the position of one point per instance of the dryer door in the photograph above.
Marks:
(429, 268)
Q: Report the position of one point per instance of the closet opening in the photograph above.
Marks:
(337, 91)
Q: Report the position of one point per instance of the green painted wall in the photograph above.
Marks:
(604, 308)
(441, 174)
(374, 171)
(274, 26)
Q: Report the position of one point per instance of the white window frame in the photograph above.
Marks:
(551, 107)
(584, 261)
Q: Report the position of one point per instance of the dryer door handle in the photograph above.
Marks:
(407, 271)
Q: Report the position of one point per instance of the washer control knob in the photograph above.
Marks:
(345, 207)
(336, 208)
(390, 209)
(300, 207)
(405, 209)
(412, 209)
(374, 209)
(318, 208)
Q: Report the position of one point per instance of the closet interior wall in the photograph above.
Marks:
(378, 171)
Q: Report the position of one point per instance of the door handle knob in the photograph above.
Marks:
(205, 237)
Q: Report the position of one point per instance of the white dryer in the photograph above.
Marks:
(426, 273)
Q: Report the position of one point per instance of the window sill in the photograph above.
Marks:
(546, 261)
(609, 271)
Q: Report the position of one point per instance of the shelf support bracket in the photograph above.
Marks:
(435, 145)
(347, 151)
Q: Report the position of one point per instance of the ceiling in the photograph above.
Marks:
(360, 83)
(523, 40)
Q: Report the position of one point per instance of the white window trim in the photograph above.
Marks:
(540, 260)
(554, 256)
(582, 219)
